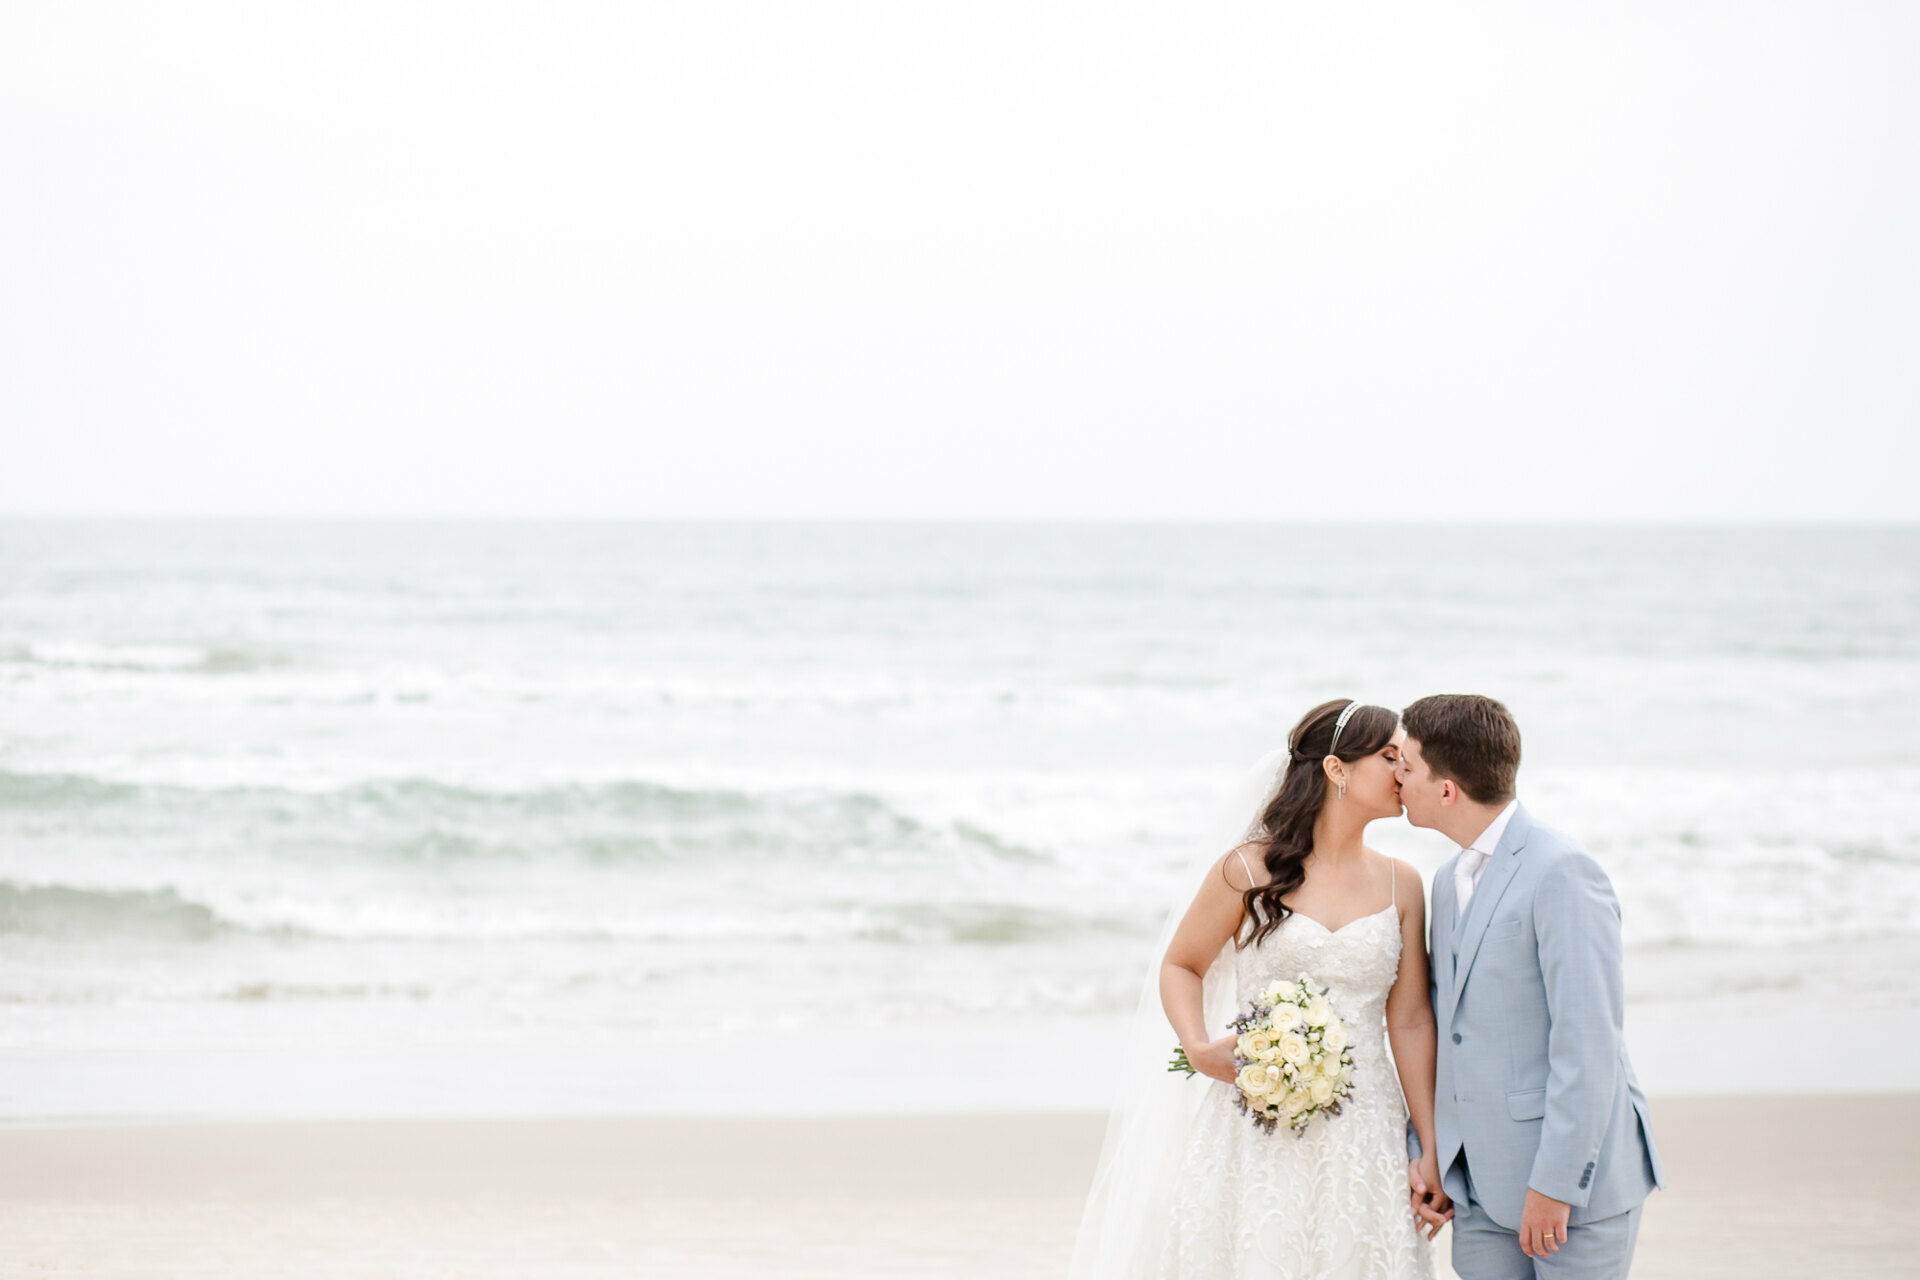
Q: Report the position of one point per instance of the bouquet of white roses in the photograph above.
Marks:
(1292, 1057)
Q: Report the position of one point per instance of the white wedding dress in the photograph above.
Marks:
(1327, 1205)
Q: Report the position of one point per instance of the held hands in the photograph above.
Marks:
(1543, 1224)
(1431, 1206)
(1214, 1058)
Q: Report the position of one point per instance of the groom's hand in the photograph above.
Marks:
(1543, 1224)
(1431, 1205)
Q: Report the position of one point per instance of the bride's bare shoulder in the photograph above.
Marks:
(1406, 877)
(1386, 859)
(1245, 866)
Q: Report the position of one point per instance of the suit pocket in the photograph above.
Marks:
(1528, 1104)
(1504, 929)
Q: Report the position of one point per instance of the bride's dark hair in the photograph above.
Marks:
(1286, 824)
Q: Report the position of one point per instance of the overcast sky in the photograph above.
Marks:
(705, 258)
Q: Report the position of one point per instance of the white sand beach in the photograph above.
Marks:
(1761, 1187)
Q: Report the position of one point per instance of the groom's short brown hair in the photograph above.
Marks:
(1470, 739)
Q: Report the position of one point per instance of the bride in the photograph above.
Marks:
(1187, 1186)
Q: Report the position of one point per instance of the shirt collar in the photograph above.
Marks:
(1489, 840)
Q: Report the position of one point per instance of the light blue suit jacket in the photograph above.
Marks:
(1532, 1085)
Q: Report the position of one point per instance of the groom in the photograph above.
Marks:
(1544, 1144)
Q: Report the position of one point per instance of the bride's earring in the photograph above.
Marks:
(1343, 791)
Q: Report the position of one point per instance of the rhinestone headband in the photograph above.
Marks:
(1341, 723)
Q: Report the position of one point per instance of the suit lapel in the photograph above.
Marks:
(1499, 872)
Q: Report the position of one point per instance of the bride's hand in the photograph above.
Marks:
(1215, 1058)
(1431, 1204)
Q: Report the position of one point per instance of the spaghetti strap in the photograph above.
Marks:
(1393, 876)
(1243, 862)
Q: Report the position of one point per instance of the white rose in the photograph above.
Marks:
(1335, 1038)
(1298, 1101)
(1247, 1045)
(1293, 1047)
(1256, 1081)
(1319, 1011)
(1329, 1067)
(1286, 1017)
(1276, 990)
(1321, 1091)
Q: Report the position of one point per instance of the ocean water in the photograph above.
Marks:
(647, 795)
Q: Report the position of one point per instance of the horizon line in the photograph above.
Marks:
(1478, 521)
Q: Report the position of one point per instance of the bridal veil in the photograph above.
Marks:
(1124, 1226)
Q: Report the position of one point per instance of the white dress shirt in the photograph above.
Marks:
(1473, 858)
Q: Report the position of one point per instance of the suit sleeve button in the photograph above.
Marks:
(1456, 1037)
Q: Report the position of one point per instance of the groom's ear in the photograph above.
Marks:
(1449, 791)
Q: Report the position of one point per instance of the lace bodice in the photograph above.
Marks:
(1357, 962)
(1331, 1203)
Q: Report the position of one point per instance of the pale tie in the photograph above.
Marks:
(1464, 872)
